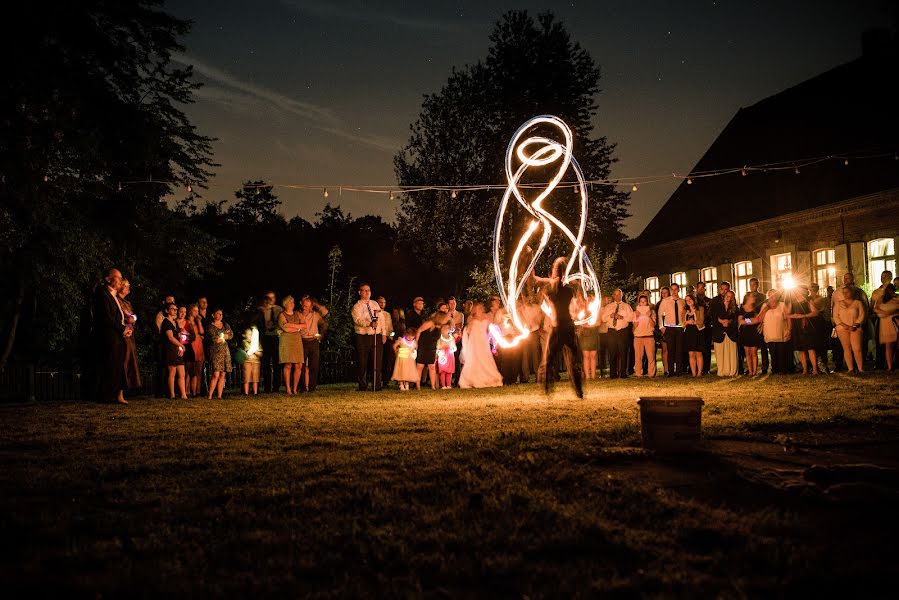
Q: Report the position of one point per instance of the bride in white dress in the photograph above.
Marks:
(478, 367)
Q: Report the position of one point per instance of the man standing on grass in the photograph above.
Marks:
(109, 332)
(370, 338)
(672, 318)
(618, 316)
(267, 323)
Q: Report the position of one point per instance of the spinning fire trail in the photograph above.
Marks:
(537, 151)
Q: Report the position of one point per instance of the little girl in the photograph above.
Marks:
(446, 357)
(253, 361)
(405, 369)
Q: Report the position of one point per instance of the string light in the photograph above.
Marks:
(391, 194)
(633, 181)
(189, 190)
(119, 187)
(46, 178)
(511, 282)
(689, 181)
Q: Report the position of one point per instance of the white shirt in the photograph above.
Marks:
(774, 327)
(117, 303)
(666, 313)
(363, 313)
(532, 315)
(625, 315)
(457, 319)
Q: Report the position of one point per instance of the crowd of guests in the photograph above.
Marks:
(468, 346)
(779, 332)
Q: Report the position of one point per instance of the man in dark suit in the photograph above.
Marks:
(109, 332)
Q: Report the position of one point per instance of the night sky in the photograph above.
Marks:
(323, 92)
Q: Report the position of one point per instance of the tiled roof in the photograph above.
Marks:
(852, 109)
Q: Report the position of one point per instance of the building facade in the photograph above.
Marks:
(818, 245)
(817, 195)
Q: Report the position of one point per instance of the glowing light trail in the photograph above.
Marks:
(537, 151)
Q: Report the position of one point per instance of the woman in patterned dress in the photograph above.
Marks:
(218, 333)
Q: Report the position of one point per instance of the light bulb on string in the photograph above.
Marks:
(325, 193)
(46, 178)
(743, 171)
(796, 170)
(689, 181)
(119, 187)
(634, 188)
(391, 195)
(453, 195)
(845, 162)
(189, 189)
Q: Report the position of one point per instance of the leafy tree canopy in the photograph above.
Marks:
(532, 67)
(91, 101)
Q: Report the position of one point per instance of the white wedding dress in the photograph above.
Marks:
(478, 367)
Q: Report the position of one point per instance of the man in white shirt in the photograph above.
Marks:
(618, 316)
(672, 319)
(370, 338)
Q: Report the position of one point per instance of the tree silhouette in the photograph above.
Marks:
(92, 102)
(532, 67)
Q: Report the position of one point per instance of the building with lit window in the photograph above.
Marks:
(805, 188)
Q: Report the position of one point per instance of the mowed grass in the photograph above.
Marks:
(490, 493)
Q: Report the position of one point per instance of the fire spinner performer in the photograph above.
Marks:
(540, 153)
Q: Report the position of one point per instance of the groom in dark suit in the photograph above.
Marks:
(109, 332)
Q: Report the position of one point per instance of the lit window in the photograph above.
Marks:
(743, 272)
(710, 276)
(680, 279)
(825, 268)
(652, 284)
(782, 270)
(881, 257)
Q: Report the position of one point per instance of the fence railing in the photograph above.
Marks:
(29, 382)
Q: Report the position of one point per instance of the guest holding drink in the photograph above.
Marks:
(173, 351)
(644, 337)
(218, 333)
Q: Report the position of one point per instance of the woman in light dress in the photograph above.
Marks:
(478, 367)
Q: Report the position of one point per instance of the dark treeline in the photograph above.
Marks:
(94, 144)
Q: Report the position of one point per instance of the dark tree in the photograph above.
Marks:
(91, 101)
(256, 204)
(532, 67)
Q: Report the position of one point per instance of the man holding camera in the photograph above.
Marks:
(370, 338)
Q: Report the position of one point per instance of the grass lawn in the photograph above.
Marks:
(499, 493)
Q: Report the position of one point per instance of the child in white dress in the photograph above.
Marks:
(405, 370)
